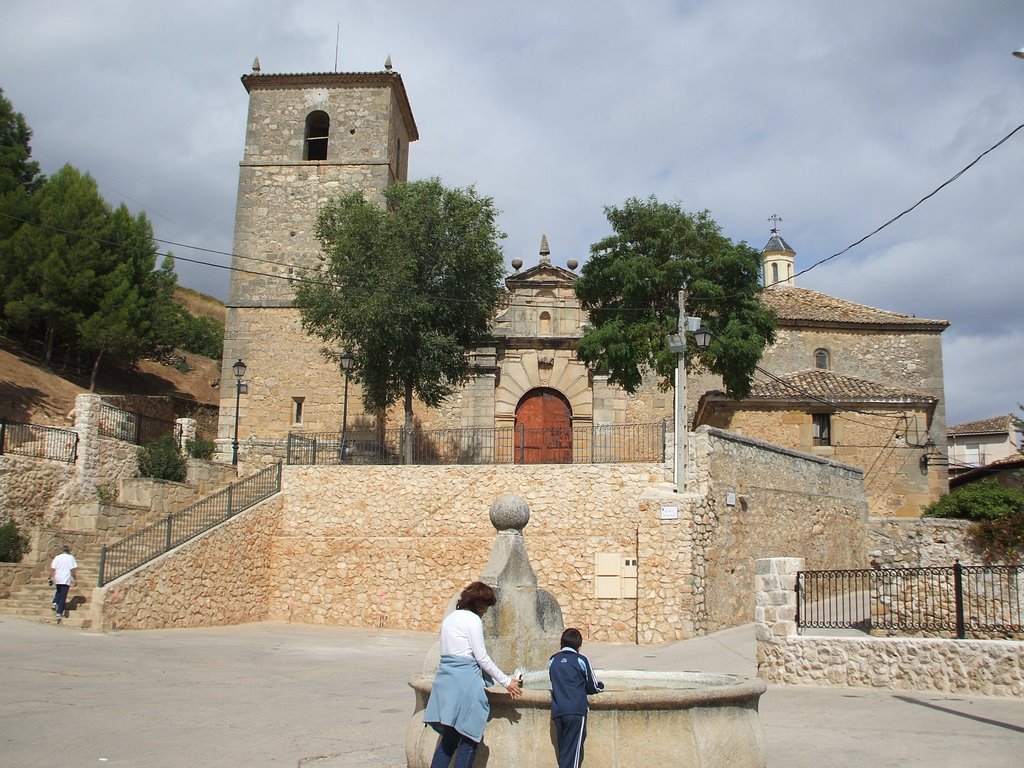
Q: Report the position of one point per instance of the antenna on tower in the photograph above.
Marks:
(337, 38)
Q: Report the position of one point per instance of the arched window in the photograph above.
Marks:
(318, 125)
(821, 359)
(775, 273)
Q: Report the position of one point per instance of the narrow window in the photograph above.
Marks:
(822, 428)
(318, 125)
(297, 410)
(821, 359)
(775, 273)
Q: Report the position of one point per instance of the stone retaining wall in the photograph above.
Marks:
(221, 577)
(986, 667)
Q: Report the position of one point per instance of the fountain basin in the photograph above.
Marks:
(642, 719)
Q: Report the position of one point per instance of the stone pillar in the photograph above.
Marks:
(187, 431)
(775, 597)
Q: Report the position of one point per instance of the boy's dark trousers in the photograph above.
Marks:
(570, 733)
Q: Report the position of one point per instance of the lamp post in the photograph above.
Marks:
(347, 359)
(677, 344)
(239, 370)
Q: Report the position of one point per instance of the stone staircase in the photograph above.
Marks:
(33, 600)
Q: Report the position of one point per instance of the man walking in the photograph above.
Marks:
(62, 573)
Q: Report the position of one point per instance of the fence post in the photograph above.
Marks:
(74, 452)
(231, 490)
(314, 451)
(522, 443)
(3, 434)
(167, 545)
(278, 489)
(288, 449)
(958, 588)
(103, 563)
(138, 428)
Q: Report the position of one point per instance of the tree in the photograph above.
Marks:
(409, 287)
(630, 287)
(16, 170)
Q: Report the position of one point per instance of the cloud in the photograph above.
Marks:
(835, 117)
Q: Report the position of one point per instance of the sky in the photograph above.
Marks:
(835, 116)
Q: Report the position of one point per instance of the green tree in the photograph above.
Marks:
(17, 171)
(630, 287)
(55, 259)
(410, 288)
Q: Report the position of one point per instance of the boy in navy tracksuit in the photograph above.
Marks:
(572, 678)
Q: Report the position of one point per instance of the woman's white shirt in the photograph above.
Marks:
(462, 634)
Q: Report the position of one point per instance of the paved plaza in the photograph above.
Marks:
(328, 697)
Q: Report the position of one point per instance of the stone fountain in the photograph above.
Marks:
(641, 719)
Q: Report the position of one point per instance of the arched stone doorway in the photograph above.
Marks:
(543, 432)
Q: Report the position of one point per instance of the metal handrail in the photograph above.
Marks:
(596, 444)
(983, 600)
(38, 441)
(150, 542)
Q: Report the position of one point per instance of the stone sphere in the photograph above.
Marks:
(510, 513)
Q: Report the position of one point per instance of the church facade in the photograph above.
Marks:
(314, 137)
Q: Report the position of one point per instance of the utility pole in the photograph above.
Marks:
(681, 429)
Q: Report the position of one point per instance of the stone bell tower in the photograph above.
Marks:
(309, 138)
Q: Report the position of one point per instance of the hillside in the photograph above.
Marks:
(30, 393)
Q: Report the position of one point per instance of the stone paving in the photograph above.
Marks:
(329, 697)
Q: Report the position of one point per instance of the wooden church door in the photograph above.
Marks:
(543, 428)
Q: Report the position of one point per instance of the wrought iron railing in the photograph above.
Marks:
(178, 527)
(38, 441)
(601, 444)
(131, 427)
(980, 601)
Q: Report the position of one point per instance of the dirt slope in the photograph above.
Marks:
(31, 394)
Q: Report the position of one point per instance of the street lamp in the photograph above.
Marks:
(239, 369)
(347, 359)
(677, 344)
(1019, 53)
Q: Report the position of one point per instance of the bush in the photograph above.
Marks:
(161, 459)
(13, 545)
(200, 448)
(984, 500)
(997, 513)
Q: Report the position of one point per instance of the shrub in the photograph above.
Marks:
(996, 511)
(13, 545)
(200, 448)
(984, 500)
(161, 459)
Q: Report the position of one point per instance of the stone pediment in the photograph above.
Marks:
(543, 275)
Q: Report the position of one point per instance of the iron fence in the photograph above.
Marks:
(38, 441)
(985, 601)
(132, 427)
(601, 444)
(178, 527)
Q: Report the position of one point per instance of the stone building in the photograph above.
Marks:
(316, 136)
(309, 138)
